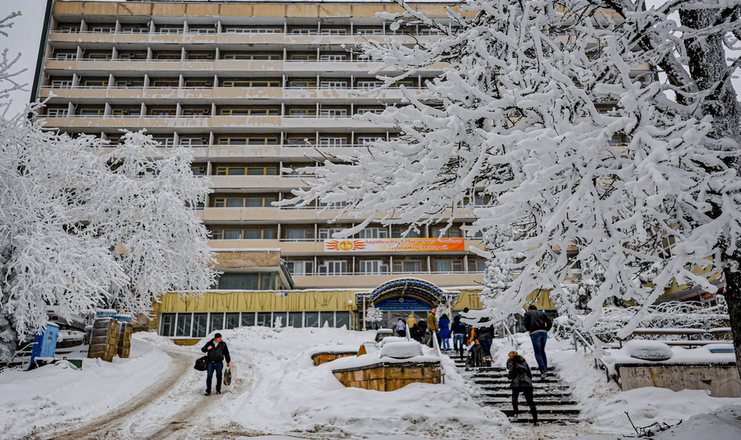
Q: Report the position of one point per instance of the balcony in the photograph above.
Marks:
(221, 95)
(372, 281)
(274, 215)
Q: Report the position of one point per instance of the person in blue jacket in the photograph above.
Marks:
(444, 325)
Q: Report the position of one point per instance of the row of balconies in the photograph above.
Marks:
(174, 67)
(340, 94)
(312, 214)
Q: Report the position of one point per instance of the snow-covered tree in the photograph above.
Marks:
(373, 314)
(83, 226)
(554, 112)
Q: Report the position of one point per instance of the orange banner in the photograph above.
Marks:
(395, 245)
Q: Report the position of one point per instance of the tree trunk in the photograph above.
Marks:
(732, 294)
(706, 59)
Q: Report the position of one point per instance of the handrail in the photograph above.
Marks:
(438, 354)
(510, 336)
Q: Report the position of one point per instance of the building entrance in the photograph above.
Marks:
(398, 298)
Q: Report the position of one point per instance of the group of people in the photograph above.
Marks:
(476, 341)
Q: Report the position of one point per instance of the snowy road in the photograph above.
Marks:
(174, 407)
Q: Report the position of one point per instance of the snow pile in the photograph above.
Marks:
(290, 395)
(649, 405)
(648, 350)
(639, 352)
(59, 393)
(401, 350)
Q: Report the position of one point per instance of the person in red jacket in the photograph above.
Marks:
(216, 351)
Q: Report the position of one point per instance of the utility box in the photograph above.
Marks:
(45, 343)
(124, 339)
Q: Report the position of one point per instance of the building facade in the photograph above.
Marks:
(257, 90)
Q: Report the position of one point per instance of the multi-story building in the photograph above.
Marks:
(256, 90)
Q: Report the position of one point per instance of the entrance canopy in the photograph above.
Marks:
(406, 294)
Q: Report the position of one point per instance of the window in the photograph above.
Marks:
(374, 233)
(239, 281)
(200, 56)
(231, 234)
(65, 56)
(333, 57)
(250, 83)
(264, 319)
(333, 113)
(134, 29)
(333, 267)
(374, 110)
(334, 31)
(216, 322)
(407, 265)
(295, 319)
(193, 141)
(368, 84)
(300, 267)
(201, 30)
(363, 140)
(302, 112)
(452, 232)
(162, 112)
(249, 111)
(447, 265)
(91, 111)
(333, 84)
(248, 319)
(332, 142)
(61, 83)
(326, 318)
(260, 233)
(199, 83)
(66, 28)
(258, 201)
(325, 233)
(250, 56)
(303, 31)
(369, 31)
(342, 319)
(184, 322)
(129, 83)
(232, 321)
(124, 112)
(167, 324)
(373, 267)
(267, 280)
(252, 30)
(302, 83)
(170, 29)
(398, 231)
(199, 325)
(98, 55)
(171, 56)
(294, 233)
(56, 112)
(102, 29)
(302, 57)
(311, 319)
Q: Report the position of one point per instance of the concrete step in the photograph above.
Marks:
(550, 410)
(546, 419)
(490, 380)
(537, 386)
(537, 395)
(504, 401)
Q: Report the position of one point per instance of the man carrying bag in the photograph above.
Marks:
(216, 351)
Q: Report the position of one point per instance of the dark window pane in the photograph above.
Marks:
(184, 321)
(232, 320)
(199, 325)
(263, 319)
(217, 322)
(342, 319)
(326, 318)
(295, 319)
(312, 319)
(267, 280)
(167, 327)
(248, 319)
(238, 281)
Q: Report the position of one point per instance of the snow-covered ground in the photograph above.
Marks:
(279, 394)
(603, 405)
(58, 394)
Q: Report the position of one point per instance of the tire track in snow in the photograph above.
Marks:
(147, 411)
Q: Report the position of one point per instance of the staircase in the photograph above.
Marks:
(552, 397)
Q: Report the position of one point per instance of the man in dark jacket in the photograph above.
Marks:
(521, 381)
(216, 351)
(537, 324)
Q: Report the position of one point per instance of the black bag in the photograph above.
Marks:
(201, 364)
(227, 377)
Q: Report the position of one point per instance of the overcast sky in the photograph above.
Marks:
(26, 33)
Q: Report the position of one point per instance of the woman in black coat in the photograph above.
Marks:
(521, 381)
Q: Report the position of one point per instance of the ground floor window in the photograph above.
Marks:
(198, 325)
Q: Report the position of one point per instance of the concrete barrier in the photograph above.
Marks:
(721, 380)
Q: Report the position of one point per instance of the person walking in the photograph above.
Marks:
(538, 324)
(486, 336)
(444, 324)
(416, 333)
(432, 325)
(422, 325)
(458, 329)
(521, 381)
(216, 351)
(401, 328)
